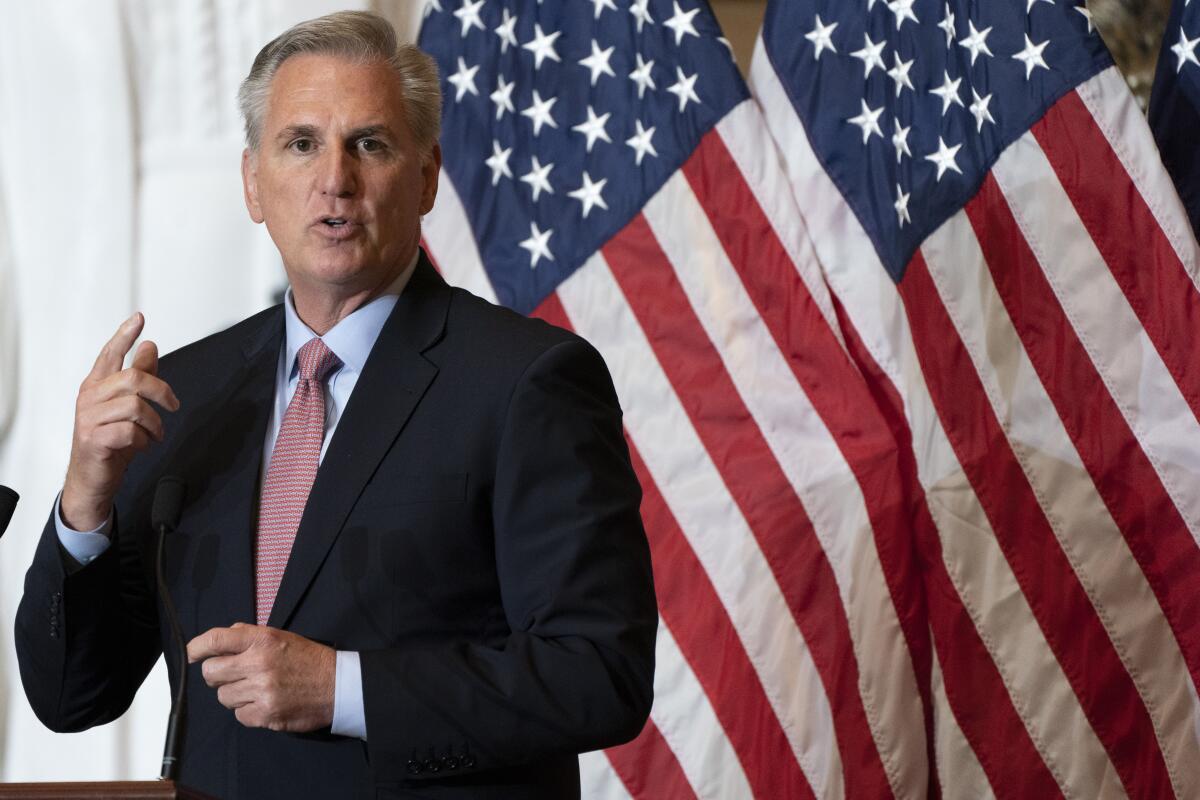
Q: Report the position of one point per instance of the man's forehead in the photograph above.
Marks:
(318, 89)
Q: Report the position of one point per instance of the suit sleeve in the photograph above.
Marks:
(576, 672)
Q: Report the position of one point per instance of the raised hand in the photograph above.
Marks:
(114, 420)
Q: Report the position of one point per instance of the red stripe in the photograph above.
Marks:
(1156, 533)
(1066, 616)
(766, 499)
(829, 380)
(974, 687)
(648, 768)
(429, 255)
(1128, 236)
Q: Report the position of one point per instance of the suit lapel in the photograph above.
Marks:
(393, 382)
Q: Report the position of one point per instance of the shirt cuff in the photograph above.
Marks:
(349, 719)
(83, 546)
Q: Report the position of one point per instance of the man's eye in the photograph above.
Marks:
(370, 145)
(302, 145)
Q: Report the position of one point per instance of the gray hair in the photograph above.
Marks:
(356, 36)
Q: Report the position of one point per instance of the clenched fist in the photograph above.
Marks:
(114, 420)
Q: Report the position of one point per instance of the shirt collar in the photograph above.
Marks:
(351, 339)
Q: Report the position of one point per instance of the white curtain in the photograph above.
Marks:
(119, 191)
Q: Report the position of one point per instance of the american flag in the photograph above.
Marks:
(1175, 104)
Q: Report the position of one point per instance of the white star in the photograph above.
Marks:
(979, 108)
(538, 178)
(822, 38)
(593, 128)
(539, 112)
(589, 194)
(601, 5)
(502, 97)
(903, 9)
(542, 46)
(871, 55)
(1029, 6)
(976, 43)
(641, 12)
(868, 120)
(947, 24)
(1031, 56)
(899, 73)
(430, 7)
(948, 91)
(640, 142)
(464, 80)
(498, 163)
(900, 141)
(681, 23)
(538, 245)
(641, 75)
(1088, 16)
(597, 62)
(507, 31)
(945, 158)
(1185, 51)
(684, 88)
(901, 206)
(468, 15)
(728, 46)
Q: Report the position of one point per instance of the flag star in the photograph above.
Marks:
(976, 43)
(728, 46)
(542, 46)
(502, 97)
(463, 80)
(901, 206)
(868, 120)
(538, 178)
(903, 9)
(948, 91)
(597, 62)
(900, 141)
(641, 12)
(641, 75)
(899, 73)
(641, 142)
(1030, 4)
(538, 245)
(871, 55)
(1088, 16)
(684, 88)
(1031, 56)
(539, 112)
(822, 38)
(430, 7)
(947, 24)
(681, 23)
(601, 5)
(498, 163)
(589, 194)
(945, 158)
(507, 31)
(1185, 51)
(468, 15)
(979, 108)
(593, 128)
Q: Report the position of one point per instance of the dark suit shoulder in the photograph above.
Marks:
(501, 333)
(214, 355)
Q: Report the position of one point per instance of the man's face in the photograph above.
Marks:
(337, 177)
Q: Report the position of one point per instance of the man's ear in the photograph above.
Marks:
(250, 184)
(429, 172)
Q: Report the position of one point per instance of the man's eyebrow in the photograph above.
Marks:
(368, 131)
(296, 131)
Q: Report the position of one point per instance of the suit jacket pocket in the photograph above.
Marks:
(421, 487)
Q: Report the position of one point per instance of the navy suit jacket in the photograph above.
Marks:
(473, 532)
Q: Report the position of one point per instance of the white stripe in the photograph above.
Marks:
(974, 562)
(598, 780)
(1107, 326)
(1088, 535)
(814, 465)
(448, 234)
(710, 519)
(687, 721)
(959, 771)
(1112, 105)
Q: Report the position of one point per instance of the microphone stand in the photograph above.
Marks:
(168, 502)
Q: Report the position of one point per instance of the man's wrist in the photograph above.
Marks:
(83, 514)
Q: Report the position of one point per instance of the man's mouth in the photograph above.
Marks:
(335, 222)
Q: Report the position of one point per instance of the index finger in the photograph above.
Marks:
(112, 356)
(218, 642)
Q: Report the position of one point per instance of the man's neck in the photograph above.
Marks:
(321, 307)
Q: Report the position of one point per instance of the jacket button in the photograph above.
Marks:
(431, 765)
(413, 767)
(450, 762)
(54, 633)
(468, 761)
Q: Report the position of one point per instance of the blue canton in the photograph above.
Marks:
(1175, 104)
(561, 118)
(908, 103)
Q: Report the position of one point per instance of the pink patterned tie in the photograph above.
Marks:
(291, 473)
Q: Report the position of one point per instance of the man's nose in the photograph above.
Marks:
(339, 173)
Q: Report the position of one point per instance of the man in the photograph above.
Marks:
(410, 556)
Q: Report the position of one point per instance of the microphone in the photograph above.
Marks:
(164, 516)
(8, 504)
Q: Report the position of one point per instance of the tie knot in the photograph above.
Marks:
(316, 361)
